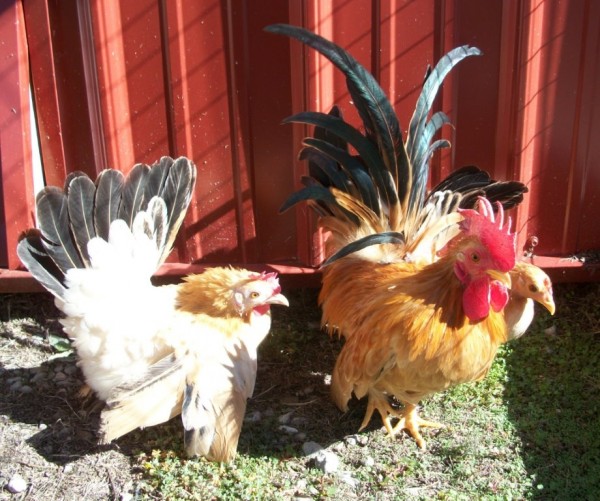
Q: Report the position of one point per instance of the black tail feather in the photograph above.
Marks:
(81, 192)
(53, 222)
(472, 182)
(378, 116)
(388, 237)
(420, 130)
(69, 218)
(109, 187)
(34, 255)
(387, 176)
(134, 191)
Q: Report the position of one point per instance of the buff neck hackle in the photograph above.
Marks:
(211, 292)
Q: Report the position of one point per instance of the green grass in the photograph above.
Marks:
(529, 430)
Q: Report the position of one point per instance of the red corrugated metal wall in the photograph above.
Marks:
(116, 83)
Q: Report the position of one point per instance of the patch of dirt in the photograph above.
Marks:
(47, 430)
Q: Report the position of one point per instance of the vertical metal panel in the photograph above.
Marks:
(44, 81)
(348, 24)
(129, 71)
(200, 87)
(58, 74)
(558, 61)
(121, 82)
(16, 210)
(264, 72)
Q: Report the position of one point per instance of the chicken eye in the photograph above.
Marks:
(533, 288)
(475, 257)
(254, 295)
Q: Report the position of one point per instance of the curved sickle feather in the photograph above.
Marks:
(388, 237)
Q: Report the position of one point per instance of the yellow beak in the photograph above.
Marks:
(548, 302)
(278, 299)
(503, 278)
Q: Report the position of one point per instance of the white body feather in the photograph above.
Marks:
(114, 315)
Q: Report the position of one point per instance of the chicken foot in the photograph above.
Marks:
(408, 418)
(379, 402)
(410, 421)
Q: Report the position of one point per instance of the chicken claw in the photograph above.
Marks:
(408, 418)
(411, 422)
(379, 402)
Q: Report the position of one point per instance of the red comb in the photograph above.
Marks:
(271, 279)
(491, 231)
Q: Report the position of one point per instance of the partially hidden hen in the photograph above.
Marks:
(150, 352)
(529, 284)
(416, 281)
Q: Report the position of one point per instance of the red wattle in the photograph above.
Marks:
(262, 309)
(498, 295)
(476, 299)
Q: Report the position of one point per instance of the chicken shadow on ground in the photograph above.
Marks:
(40, 396)
(291, 404)
(553, 397)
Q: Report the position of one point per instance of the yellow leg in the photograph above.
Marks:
(380, 402)
(411, 422)
(84, 392)
(408, 418)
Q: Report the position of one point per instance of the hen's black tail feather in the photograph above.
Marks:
(69, 218)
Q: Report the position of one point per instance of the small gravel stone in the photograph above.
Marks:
(60, 376)
(16, 386)
(289, 430)
(348, 479)
(16, 484)
(309, 448)
(299, 421)
(39, 377)
(301, 485)
(300, 437)
(368, 461)
(362, 439)
(285, 418)
(70, 370)
(253, 417)
(25, 389)
(351, 440)
(327, 461)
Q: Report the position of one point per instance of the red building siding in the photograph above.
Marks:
(115, 83)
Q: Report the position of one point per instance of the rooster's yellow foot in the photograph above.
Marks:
(411, 422)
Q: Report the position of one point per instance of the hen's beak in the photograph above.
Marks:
(278, 299)
(503, 278)
(548, 302)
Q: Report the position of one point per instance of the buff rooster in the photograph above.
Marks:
(416, 281)
(150, 352)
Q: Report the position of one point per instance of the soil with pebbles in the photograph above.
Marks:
(48, 444)
(48, 429)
